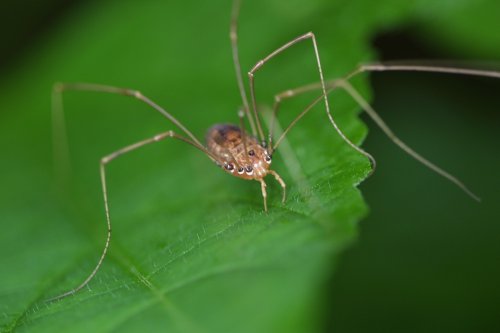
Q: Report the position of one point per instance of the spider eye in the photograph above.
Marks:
(249, 169)
(229, 166)
(251, 153)
(268, 159)
(240, 170)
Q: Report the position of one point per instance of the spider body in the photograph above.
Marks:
(242, 155)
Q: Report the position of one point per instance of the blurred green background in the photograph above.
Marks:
(427, 258)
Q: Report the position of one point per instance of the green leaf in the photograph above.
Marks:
(192, 249)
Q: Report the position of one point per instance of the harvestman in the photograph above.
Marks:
(231, 147)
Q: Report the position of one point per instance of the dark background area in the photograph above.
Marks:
(24, 24)
(407, 272)
(428, 257)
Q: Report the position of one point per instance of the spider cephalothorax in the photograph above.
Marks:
(241, 154)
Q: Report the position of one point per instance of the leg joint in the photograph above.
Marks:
(106, 159)
(233, 36)
(256, 67)
(58, 87)
(162, 136)
(134, 93)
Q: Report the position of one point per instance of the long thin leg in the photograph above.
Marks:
(61, 155)
(384, 67)
(233, 35)
(264, 192)
(279, 98)
(282, 183)
(383, 126)
(241, 116)
(61, 87)
(345, 85)
(379, 67)
(261, 63)
(296, 119)
(104, 161)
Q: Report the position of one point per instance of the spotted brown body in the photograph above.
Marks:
(238, 153)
